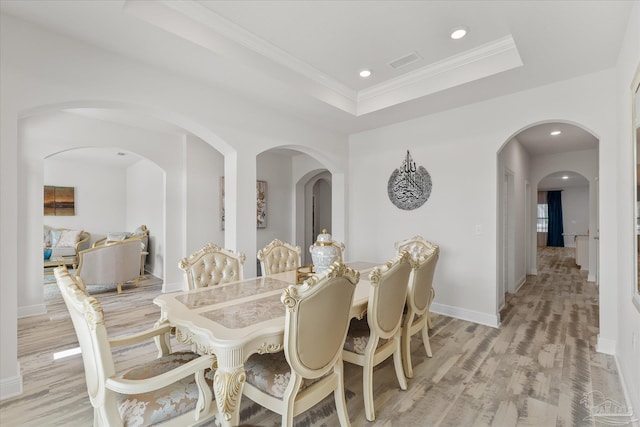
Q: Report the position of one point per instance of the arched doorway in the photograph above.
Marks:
(523, 161)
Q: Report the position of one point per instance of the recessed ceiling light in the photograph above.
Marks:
(365, 73)
(565, 177)
(555, 133)
(459, 32)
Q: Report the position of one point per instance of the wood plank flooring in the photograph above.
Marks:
(539, 368)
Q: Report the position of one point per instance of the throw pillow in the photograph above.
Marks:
(55, 237)
(117, 236)
(69, 238)
(46, 238)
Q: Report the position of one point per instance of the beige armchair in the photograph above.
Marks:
(174, 389)
(115, 263)
(212, 265)
(371, 342)
(316, 323)
(278, 257)
(419, 297)
(417, 246)
(141, 233)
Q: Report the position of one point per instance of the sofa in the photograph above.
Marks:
(141, 233)
(65, 243)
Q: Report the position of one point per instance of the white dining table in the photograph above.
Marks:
(236, 320)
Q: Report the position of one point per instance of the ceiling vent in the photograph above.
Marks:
(405, 60)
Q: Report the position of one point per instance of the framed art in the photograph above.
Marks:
(261, 204)
(59, 201)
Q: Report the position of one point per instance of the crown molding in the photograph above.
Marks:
(491, 58)
(247, 39)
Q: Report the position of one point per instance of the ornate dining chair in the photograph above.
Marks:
(419, 297)
(278, 257)
(212, 265)
(370, 342)
(175, 388)
(310, 368)
(417, 246)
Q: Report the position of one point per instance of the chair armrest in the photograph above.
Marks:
(121, 385)
(99, 242)
(141, 336)
(84, 242)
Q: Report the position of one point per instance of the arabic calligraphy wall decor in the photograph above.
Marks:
(409, 186)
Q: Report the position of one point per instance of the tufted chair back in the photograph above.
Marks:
(416, 246)
(278, 257)
(212, 265)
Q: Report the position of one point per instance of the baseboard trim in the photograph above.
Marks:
(591, 277)
(31, 310)
(625, 390)
(11, 387)
(606, 346)
(522, 281)
(492, 320)
(172, 287)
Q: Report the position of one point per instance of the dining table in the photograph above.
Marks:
(235, 320)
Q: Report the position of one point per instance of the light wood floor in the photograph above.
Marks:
(539, 368)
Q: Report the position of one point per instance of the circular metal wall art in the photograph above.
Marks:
(409, 186)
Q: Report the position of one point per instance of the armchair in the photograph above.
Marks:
(141, 233)
(113, 263)
(175, 389)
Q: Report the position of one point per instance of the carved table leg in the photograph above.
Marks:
(227, 386)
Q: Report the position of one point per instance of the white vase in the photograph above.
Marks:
(323, 252)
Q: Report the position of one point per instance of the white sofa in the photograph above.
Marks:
(64, 242)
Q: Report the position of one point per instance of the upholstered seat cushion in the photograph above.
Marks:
(270, 373)
(160, 405)
(358, 336)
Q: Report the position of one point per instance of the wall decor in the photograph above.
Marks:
(409, 186)
(59, 201)
(261, 203)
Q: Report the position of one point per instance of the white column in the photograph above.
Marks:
(240, 206)
(10, 377)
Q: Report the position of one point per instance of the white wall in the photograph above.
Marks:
(575, 213)
(276, 170)
(100, 196)
(204, 167)
(145, 190)
(626, 313)
(516, 160)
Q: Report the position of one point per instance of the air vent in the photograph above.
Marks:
(405, 60)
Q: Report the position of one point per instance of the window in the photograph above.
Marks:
(542, 224)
